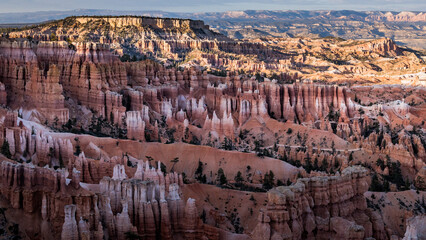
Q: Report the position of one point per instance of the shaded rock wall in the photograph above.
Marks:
(70, 209)
(320, 207)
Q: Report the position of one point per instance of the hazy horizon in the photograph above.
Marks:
(194, 6)
(195, 12)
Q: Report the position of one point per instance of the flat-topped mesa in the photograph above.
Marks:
(146, 35)
(143, 21)
(320, 206)
(137, 28)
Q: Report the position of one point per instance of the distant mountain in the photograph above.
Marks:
(345, 15)
(42, 16)
(316, 15)
(407, 28)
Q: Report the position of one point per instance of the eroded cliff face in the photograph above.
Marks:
(86, 198)
(96, 185)
(385, 47)
(140, 100)
(149, 204)
(41, 75)
(321, 207)
(96, 195)
(147, 34)
(168, 23)
(28, 84)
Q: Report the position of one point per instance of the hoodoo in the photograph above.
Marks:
(134, 127)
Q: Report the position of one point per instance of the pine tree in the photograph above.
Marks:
(336, 164)
(221, 177)
(268, 180)
(77, 150)
(380, 163)
(5, 149)
(238, 178)
(375, 186)
(324, 165)
(199, 172)
(315, 167)
(308, 164)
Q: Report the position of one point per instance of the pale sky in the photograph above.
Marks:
(211, 5)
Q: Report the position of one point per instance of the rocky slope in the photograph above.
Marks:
(81, 132)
